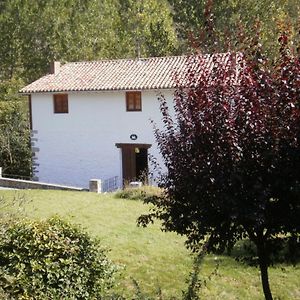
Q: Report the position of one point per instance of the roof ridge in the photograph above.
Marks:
(126, 59)
(144, 58)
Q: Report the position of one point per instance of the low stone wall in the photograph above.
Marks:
(26, 184)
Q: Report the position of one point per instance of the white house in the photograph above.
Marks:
(92, 119)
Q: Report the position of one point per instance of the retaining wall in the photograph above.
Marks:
(26, 184)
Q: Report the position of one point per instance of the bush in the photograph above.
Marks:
(145, 193)
(52, 260)
(283, 249)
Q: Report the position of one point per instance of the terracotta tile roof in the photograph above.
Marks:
(121, 74)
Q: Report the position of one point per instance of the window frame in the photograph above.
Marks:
(137, 101)
(60, 108)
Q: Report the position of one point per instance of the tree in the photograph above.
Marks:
(232, 153)
(33, 33)
(190, 19)
(146, 28)
(15, 150)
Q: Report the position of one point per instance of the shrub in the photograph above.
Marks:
(282, 250)
(145, 193)
(52, 260)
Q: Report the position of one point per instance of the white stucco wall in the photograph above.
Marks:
(80, 145)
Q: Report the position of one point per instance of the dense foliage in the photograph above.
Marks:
(232, 153)
(52, 260)
(33, 33)
(234, 19)
(15, 151)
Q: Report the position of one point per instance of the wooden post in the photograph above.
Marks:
(0, 172)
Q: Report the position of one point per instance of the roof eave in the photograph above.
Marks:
(22, 92)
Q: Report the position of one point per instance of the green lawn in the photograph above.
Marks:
(153, 258)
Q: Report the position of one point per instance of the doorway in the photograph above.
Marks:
(134, 161)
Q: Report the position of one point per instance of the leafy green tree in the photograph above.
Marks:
(146, 28)
(33, 33)
(37, 32)
(191, 16)
(15, 151)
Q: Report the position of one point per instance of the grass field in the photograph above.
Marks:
(154, 258)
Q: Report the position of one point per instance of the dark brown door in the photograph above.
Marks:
(134, 161)
(128, 164)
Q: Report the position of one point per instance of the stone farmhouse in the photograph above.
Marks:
(91, 119)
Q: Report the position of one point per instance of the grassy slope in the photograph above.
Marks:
(152, 257)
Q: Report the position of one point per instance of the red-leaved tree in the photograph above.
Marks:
(232, 153)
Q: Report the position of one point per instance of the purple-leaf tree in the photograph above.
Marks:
(232, 153)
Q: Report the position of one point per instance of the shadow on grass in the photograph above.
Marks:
(282, 250)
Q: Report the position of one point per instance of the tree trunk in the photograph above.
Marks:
(263, 265)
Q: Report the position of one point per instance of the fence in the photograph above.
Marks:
(111, 184)
(103, 186)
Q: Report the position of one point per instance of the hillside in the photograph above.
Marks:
(153, 258)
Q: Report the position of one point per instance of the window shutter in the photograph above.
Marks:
(133, 101)
(60, 103)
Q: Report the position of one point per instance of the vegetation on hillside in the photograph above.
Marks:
(156, 260)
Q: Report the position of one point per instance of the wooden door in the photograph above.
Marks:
(128, 164)
(133, 163)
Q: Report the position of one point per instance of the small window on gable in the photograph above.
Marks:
(60, 102)
(133, 101)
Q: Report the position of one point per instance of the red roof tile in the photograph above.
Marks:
(121, 74)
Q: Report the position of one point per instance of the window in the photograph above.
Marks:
(60, 103)
(133, 101)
